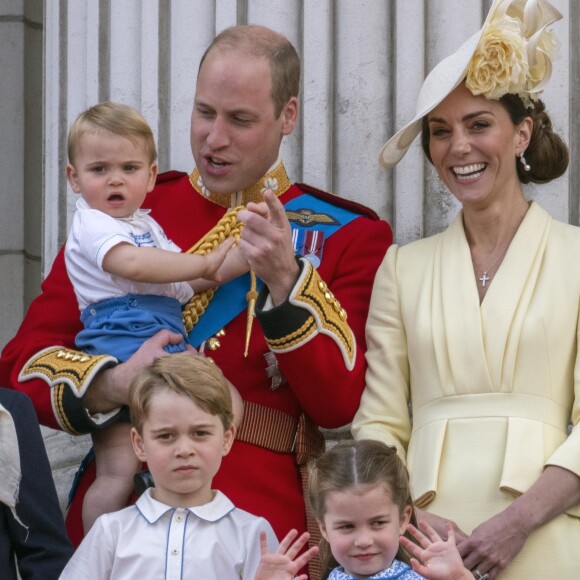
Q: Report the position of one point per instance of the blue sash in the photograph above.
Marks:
(230, 299)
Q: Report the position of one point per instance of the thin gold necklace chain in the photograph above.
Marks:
(485, 277)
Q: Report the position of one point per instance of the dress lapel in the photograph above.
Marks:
(476, 345)
(457, 323)
(504, 309)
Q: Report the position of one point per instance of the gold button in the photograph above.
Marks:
(322, 285)
(336, 305)
(221, 332)
(213, 343)
(328, 297)
(342, 314)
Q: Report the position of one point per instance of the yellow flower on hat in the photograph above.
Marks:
(500, 63)
(514, 54)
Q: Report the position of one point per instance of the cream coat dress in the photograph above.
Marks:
(493, 387)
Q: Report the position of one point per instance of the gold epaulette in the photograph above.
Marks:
(57, 364)
(328, 316)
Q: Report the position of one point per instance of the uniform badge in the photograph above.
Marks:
(307, 218)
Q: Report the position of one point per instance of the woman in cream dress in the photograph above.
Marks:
(478, 326)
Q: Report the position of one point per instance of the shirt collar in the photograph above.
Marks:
(152, 510)
(275, 179)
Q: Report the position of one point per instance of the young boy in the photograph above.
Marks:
(129, 278)
(181, 410)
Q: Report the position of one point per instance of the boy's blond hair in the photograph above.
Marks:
(195, 377)
(115, 118)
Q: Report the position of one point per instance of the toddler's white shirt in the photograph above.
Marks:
(93, 234)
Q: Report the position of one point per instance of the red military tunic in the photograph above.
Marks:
(318, 382)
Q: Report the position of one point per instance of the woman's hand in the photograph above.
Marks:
(435, 558)
(440, 524)
(496, 542)
(283, 563)
(492, 545)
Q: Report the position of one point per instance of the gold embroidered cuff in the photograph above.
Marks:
(57, 364)
(69, 373)
(294, 339)
(312, 293)
(321, 313)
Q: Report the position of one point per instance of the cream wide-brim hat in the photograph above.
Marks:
(440, 82)
(450, 73)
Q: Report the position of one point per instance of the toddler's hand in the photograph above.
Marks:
(216, 258)
(283, 563)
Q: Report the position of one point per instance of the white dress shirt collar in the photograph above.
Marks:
(152, 510)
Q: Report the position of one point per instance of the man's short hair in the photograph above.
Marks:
(261, 42)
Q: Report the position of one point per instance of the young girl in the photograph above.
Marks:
(359, 494)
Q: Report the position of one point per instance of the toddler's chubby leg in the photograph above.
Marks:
(116, 466)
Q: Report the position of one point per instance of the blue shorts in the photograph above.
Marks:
(119, 326)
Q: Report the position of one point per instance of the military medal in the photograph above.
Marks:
(273, 371)
(309, 244)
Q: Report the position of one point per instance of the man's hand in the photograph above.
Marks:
(109, 390)
(266, 243)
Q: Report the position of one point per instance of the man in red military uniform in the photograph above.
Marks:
(314, 257)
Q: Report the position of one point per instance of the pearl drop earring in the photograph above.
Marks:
(524, 162)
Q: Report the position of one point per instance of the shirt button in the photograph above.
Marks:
(178, 518)
(175, 552)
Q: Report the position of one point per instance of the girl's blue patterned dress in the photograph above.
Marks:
(397, 569)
